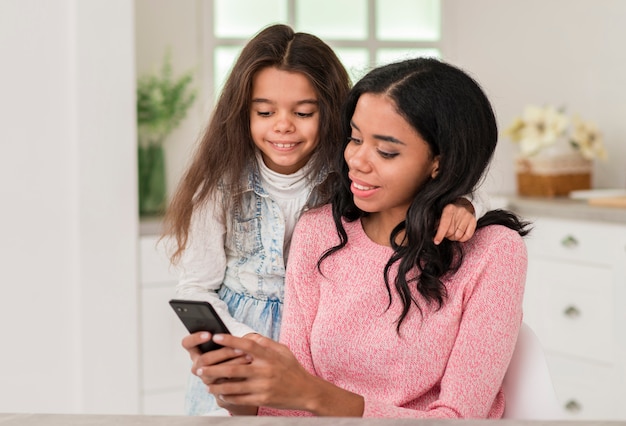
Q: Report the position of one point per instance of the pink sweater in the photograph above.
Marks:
(447, 364)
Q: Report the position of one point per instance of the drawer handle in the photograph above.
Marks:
(573, 406)
(572, 312)
(569, 241)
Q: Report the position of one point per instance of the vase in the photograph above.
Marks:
(554, 171)
(152, 186)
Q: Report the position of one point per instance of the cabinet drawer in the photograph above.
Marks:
(583, 389)
(576, 241)
(576, 311)
(154, 265)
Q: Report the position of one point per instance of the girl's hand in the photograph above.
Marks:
(457, 223)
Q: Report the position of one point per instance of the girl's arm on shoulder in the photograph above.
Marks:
(480, 201)
(458, 221)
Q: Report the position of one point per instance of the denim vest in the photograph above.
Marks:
(254, 244)
(255, 267)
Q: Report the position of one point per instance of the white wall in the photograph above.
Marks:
(563, 52)
(68, 311)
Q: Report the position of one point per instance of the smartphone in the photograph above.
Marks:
(200, 316)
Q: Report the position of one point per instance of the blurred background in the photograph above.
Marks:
(79, 323)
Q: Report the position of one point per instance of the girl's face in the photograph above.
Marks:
(388, 160)
(284, 119)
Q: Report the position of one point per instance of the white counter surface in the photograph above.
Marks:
(564, 208)
(561, 207)
(130, 420)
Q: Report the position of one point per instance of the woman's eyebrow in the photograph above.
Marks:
(380, 137)
(389, 139)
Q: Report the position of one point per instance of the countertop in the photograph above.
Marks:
(563, 208)
(137, 420)
(528, 207)
(152, 226)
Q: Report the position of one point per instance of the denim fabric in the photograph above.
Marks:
(254, 245)
(263, 316)
(253, 286)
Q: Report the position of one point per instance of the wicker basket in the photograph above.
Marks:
(553, 176)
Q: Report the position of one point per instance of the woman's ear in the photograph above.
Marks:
(435, 170)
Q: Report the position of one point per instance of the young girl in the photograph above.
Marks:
(265, 157)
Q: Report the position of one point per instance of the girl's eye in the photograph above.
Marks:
(354, 140)
(263, 113)
(304, 114)
(387, 155)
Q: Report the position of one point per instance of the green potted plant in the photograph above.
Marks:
(162, 103)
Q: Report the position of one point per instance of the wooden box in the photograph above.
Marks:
(553, 176)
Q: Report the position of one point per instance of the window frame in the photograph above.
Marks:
(371, 43)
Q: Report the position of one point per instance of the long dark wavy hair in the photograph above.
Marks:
(452, 114)
(226, 149)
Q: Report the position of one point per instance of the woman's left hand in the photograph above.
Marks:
(272, 377)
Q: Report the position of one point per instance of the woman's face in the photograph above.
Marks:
(388, 160)
(284, 119)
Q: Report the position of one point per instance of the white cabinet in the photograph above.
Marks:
(165, 365)
(575, 301)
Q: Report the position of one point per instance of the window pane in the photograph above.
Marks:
(408, 20)
(385, 56)
(356, 61)
(333, 19)
(244, 18)
(223, 60)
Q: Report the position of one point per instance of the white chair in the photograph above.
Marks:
(528, 389)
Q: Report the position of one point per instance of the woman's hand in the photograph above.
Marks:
(273, 377)
(218, 356)
(457, 223)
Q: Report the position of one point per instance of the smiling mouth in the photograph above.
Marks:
(362, 187)
(284, 145)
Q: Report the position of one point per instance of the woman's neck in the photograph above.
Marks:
(378, 227)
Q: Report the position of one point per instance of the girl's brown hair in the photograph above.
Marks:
(226, 149)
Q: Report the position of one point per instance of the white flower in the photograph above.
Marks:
(541, 127)
(588, 139)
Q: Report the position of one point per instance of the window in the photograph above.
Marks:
(363, 33)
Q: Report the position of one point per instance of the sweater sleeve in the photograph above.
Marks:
(203, 263)
(481, 202)
(490, 321)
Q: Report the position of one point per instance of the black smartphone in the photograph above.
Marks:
(200, 316)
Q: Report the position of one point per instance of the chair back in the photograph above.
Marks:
(528, 390)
